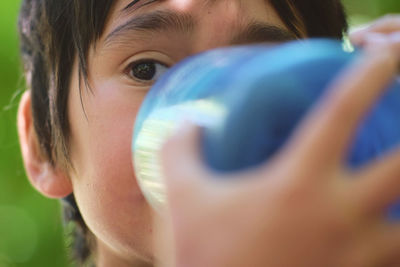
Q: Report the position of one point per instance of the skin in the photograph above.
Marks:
(303, 203)
(102, 178)
(114, 209)
(387, 25)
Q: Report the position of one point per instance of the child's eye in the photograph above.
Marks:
(147, 70)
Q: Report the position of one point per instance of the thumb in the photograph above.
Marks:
(184, 176)
(182, 165)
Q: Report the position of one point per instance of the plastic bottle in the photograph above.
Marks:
(249, 100)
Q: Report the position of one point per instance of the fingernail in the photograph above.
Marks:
(376, 38)
(377, 43)
(395, 37)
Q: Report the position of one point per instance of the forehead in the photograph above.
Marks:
(253, 20)
(260, 10)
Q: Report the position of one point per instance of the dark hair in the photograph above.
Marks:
(313, 18)
(54, 32)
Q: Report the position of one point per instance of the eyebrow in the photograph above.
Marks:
(132, 5)
(158, 21)
(155, 21)
(259, 32)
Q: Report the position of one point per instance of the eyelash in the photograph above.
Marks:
(152, 66)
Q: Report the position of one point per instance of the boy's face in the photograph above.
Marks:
(138, 44)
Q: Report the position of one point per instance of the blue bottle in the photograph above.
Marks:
(249, 100)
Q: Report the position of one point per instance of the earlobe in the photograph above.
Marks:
(47, 179)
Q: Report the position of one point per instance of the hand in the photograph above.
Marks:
(385, 26)
(303, 207)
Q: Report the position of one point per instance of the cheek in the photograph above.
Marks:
(104, 183)
(101, 133)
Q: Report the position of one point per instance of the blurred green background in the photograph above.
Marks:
(30, 225)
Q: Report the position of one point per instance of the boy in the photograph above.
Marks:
(88, 66)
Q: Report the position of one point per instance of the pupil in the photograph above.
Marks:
(144, 71)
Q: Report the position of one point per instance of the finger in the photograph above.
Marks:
(378, 41)
(377, 185)
(323, 137)
(164, 241)
(182, 165)
(387, 24)
(189, 201)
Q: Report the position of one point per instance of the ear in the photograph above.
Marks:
(47, 179)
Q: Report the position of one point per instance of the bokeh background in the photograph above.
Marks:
(30, 225)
